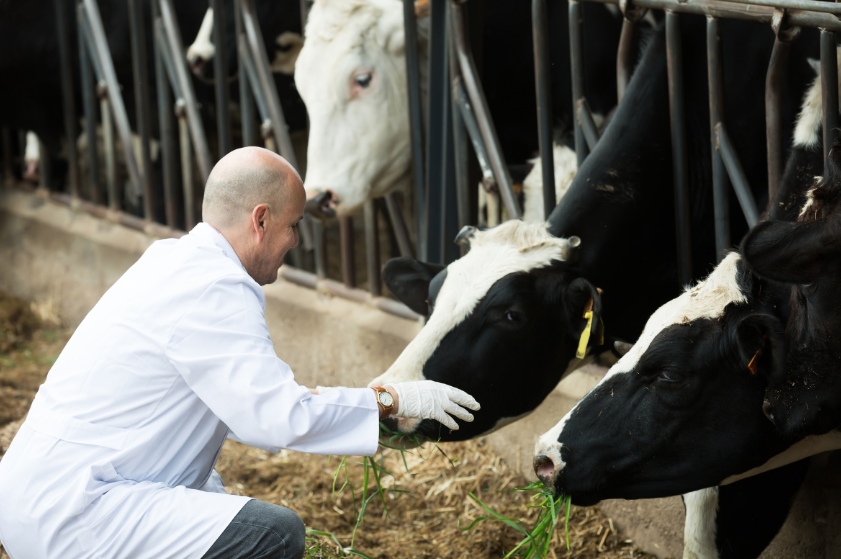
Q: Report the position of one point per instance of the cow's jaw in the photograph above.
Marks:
(512, 247)
(708, 299)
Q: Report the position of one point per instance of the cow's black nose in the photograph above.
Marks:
(544, 467)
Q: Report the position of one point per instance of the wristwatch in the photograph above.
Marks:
(384, 399)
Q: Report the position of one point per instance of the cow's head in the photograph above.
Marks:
(351, 74)
(807, 255)
(279, 25)
(682, 410)
(504, 324)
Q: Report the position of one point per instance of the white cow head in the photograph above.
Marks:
(351, 74)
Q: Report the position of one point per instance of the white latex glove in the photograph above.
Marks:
(427, 399)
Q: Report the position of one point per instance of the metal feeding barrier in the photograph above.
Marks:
(785, 17)
(186, 159)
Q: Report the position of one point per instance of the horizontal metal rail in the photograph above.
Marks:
(737, 10)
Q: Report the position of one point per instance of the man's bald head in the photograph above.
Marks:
(244, 179)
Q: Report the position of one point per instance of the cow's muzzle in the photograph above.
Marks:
(322, 205)
(546, 470)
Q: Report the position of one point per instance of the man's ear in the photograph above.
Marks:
(580, 297)
(762, 349)
(791, 252)
(408, 279)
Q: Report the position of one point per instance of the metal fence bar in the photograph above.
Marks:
(436, 139)
(372, 248)
(737, 175)
(115, 99)
(67, 95)
(474, 134)
(811, 5)
(346, 241)
(88, 106)
(543, 86)
(184, 140)
(483, 117)
(220, 71)
(165, 124)
(415, 120)
(732, 10)
(773, 123)
(829, 89)
(674, 59)
(246, 102)
(721, 193)
(576, 53)
(625, 57)
(176, 50)
(401, 232)
(140, 71)
(115, 201)
(584, 118)
(261, 61)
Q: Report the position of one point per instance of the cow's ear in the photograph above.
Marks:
(791, 252)
(408, 280)
(391, 35)
(762, 349)
(580, 297)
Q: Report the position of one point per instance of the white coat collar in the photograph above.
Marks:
(209, 234)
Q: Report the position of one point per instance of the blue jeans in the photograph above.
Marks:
(261, 531)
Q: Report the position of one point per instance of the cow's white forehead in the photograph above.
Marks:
(707, 299)
(328, 20)
(514, 246)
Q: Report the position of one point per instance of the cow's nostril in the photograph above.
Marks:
(544, 467)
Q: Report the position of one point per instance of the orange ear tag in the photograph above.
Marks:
(752, 364)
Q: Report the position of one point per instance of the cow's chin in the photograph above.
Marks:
(399, 432)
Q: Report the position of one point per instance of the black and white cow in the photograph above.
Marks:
(352, 76)
(516, 329)
(689, 405)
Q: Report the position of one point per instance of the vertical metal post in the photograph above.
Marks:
(167, 129)
(246, 101)
(186, 166)
(401, 232)
(540, 32)
(346, 242)
(576, 53)
(114, 199)
(436, 152)
(674, 58)
(45, 167)
(415, 120)
(320, 248)
(721, 192)
(6, 138)
(220, 71)
(372, 248)
(89, 106)
(773, 122)
(67, 95)
(143, 111)
(829, 89)
(625, 56)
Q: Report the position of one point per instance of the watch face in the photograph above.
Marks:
(385, 399)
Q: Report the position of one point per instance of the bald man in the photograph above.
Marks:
(115, 459)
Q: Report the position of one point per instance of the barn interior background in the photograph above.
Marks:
(112, 120)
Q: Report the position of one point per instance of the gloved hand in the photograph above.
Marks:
(427, 399)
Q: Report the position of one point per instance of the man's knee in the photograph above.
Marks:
(290, 524)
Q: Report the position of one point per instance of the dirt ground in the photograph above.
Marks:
(424, 522)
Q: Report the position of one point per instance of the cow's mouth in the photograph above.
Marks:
(198, 65)
(322, 205)
(400, 433)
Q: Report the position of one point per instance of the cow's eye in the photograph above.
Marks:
(362, 80)
(668, 376)
(514, 317)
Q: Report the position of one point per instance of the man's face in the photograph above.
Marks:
(281, 235)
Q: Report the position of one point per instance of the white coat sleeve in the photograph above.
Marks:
(221, 347)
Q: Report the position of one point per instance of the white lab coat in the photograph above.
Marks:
(132, 417)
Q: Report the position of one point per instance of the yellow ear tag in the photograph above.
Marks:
(585, 336)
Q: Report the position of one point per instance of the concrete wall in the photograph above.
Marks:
(61, 258)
